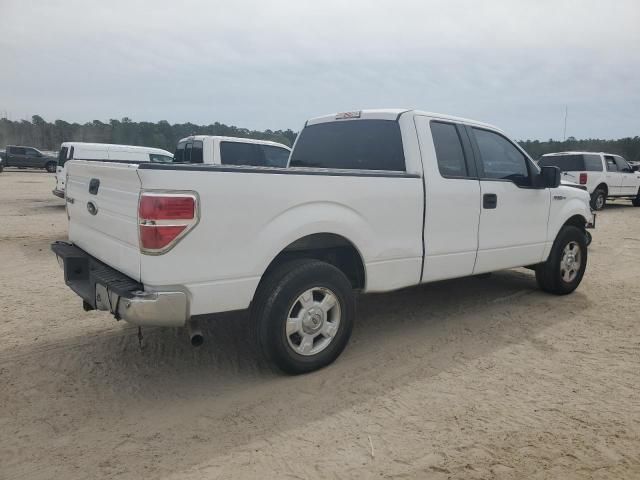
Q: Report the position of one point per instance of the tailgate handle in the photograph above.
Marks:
(94, 185)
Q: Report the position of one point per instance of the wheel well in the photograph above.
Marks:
(577, 221)
(604, 187)
(327, 247)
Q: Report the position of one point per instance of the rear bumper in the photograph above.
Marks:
(58, 193)
(104, 288)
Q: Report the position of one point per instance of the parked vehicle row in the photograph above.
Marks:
(103, 152)
(370, 201)
(604, 175)
(200, 149)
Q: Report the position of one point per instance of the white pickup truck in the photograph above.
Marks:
(371, 201)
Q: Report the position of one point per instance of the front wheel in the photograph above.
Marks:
(563, 271)
(635, 201)
(50, 167)
(303, 314)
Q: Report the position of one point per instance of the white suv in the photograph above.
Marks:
(605, 175)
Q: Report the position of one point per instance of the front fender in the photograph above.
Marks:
(563, 209)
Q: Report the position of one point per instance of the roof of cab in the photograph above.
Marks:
(234, 139)
(116, 147)
(394, 114)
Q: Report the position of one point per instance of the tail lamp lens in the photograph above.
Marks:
(583, 179)
(153, 207)
(165, 218)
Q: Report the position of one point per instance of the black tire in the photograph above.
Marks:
(588, 237)
(552, 275)
(635, 201)
(279, 294)
(50, 167)
(598, 199)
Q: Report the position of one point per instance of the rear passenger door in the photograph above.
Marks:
(452, 200)
(514, 214)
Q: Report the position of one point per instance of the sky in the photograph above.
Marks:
(272, 64)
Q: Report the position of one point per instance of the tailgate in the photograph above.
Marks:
(102, 201)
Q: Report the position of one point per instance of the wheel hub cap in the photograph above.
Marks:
(313, 321)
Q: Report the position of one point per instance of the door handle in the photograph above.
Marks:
(489, 201)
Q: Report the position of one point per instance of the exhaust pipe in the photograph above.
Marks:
(195, 333)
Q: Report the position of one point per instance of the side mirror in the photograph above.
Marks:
(549, 177)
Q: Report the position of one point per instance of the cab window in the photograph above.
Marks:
(240, 153)
(449, 151)
(611, 164)
(500, 159)
(622, 164)
(275, 156)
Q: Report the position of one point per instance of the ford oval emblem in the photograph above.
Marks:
(91, 207)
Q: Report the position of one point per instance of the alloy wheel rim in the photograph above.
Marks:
(570, 262)
(313, 321)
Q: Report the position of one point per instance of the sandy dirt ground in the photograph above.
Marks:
(465, 379)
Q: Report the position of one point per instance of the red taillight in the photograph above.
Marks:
(153, 207)
(164, 218)
(156, 237)
(583, 179)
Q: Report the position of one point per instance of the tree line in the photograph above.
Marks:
(49, 135)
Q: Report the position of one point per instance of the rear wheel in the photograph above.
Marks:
(50, 167)
(303, 314)
(598, 199)
(567, 262)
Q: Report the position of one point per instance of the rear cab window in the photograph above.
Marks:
(350, 145)
(450, 156)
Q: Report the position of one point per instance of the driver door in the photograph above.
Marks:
(513, 214)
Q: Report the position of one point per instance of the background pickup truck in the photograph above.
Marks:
(28, 157)
(371, 201)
